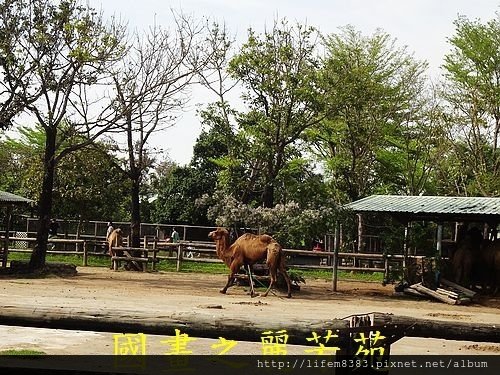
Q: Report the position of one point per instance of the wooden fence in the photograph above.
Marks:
(204, 252)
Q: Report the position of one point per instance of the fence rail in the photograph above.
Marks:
(204, 252)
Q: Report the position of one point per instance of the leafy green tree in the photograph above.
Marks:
(49, 54)
(278, 72)
(472, 72)
(372, 89)
(15, 165)
(87, 185)
(176, 199)
(178, 188)
(407, 163)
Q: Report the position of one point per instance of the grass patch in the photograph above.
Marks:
(169, 265)
(21, 352)
(214, 268)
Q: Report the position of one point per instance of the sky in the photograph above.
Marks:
(421, 25)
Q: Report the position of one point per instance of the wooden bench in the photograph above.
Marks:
(141, 261)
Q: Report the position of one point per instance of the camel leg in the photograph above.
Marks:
(287, 279)
(230, 282)
(250, 278)
(231, 278)
(272, 275)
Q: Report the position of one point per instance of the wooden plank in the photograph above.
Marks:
(414, 292)
(448, 293)
(432, 293)
(130, 259)
(467, 292)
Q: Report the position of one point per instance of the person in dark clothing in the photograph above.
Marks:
(53, 229)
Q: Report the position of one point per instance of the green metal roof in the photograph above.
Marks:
(13, 199)
(430, 206)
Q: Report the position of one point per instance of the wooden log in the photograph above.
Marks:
(194, 324)
(440, 329)
(211, 325)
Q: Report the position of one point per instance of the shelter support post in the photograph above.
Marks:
(439, 240)
(335, 262)
(360, 245)
(406, 276)
(5, 250)
(439, 254)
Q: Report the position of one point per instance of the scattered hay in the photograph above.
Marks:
(258, 303)
(482, 348)
(452, 316)
(210, 306)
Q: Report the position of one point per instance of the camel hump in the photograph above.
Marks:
(267, 238)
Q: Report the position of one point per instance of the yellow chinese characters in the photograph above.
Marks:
(130, 344)
(178, 344)
(274, 344)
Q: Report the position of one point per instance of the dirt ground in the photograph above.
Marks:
(161, 293)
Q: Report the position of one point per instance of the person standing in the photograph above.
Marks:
(174, 236)
(110, 229)
(53, 229)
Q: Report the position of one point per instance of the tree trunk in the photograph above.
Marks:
(135, 222)
(268, 195)
(37, 260)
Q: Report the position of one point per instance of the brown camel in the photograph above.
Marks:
(490, 265)
(476, 262)
(465, 261)
(115, 239)
(247, 250)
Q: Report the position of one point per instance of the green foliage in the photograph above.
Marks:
(472, 91)
(87, 184)
(50, 54)
(278, 72)
(177, 193)
(178, 188)
(372, 88)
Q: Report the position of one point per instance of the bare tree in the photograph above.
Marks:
(49, 53)
(152, 85)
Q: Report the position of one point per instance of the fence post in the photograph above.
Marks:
(179, 257)
(153, 268)
(85, 255)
